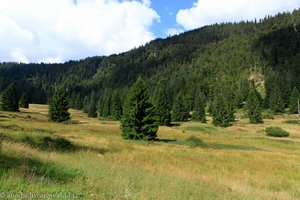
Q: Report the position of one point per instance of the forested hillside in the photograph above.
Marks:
(264, 52)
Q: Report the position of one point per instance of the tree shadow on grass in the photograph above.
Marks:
(165, 140)
(234, 147)
(35, 170)
(58, 144)
(174, 124)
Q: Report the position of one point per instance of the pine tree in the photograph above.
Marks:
(24, 102)
(72, 100)
(92, 111)
(230, 107)
(86, 103)
(106, 107)
(139, 120)
(58, 108)
(78, 102)
(179, 112)
(10, 101)
(162, 107)
(199, 110)
(116, 105)
(294, 100)
(254, 107)
(275, 100)
(222, 108)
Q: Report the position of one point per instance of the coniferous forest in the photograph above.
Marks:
(219, 61)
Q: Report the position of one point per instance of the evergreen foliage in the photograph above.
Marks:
(294, 100)
(276, 103)
(222, 108)
(9, 100)
(92, 110)
(78, 102)
(254, 107)
(116, 106)
(58, 106)
(199, 109)
(162, 107)
(24, 101)
(139, 120)
(267, 52)
(86, 104)
(179, 111)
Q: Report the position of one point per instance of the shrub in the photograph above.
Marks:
(194, 141)
(276, 132)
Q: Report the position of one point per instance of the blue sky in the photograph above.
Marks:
(167, 11)
(54, 31)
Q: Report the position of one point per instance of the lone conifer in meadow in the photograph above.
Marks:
(139, 120)
(92, 110)
(254, 107)
(58, 107)
(294, 100)
(10, 101)
(24, 103)
(179, 112)
(163, 107)
(199, 109)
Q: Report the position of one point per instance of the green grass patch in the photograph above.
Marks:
(292, 122)
(275, 131)
(204, 129)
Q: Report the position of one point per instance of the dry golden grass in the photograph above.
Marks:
(239, 162)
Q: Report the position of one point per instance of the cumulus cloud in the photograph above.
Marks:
(206, 12)
(59, 30)
(173, 31)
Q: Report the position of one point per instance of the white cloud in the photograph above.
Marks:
(206, 12)
(59, 30)
(173, 31)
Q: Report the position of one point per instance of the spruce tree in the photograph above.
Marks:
(199, 109)
(9, 100)
(106, 107)
(276, 103)
(139, 120)
(24, 102)
(222, 108)
(116, 105)
(78, 102)
(58, 108)
(86, 104)
(254, 107)
(179, 112)
(220, 112)
(92, 111)
(294, 100)
(162, 107)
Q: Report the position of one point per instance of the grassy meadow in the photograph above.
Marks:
(239, 162)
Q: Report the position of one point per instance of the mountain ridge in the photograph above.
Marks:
(224, 54)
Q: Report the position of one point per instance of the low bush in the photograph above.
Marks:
(194, 141)
(276, 132)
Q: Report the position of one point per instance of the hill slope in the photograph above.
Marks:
(267, 52)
